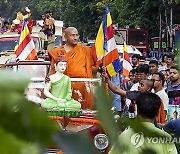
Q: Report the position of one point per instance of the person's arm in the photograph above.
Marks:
(112, 87)
(94, 69)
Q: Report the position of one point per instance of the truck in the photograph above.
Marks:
(8, 41)
(136, 37)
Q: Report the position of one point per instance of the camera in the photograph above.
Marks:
(174, 93)
(132, 95)
(131, 111)
(101, 68)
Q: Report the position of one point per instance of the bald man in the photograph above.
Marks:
(79, 65)
(144, 86)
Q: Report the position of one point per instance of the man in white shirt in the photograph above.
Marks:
(159, 79)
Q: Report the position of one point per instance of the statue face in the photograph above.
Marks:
(61, 66)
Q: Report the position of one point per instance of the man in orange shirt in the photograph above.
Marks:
(79, 65)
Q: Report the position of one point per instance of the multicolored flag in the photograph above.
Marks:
(126, 62)
(25, 48)
(105, 49)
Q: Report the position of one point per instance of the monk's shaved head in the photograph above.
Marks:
(69, 30)
(71, 36)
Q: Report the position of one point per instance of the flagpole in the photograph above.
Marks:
(104, 24)
(124, 59)
(105, 51)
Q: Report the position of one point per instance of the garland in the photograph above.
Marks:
(77, 120)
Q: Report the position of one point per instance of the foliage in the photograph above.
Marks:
(86, 15)
(144, 13)
(103, 104)
(177, 55)
(21, 121)
(26, 128)
(112, 128)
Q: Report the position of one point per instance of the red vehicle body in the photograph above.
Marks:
(136, 37)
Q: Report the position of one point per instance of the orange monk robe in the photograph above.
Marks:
(161, 118)
(79, 65)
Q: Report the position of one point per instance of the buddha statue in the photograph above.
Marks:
(58, 89)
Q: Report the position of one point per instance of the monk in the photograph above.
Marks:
(79, 65)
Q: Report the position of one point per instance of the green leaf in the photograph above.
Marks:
(72, 143)
(103, 105)
(18, 116)
(11, 144)
(13, 81)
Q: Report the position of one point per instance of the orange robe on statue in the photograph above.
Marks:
(79, 65)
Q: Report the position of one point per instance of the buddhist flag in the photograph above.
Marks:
(25, 48)
(105, 49)
(126, 62)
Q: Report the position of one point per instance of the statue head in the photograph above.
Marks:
(61, 63)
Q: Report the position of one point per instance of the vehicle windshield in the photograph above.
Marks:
(137, 37)
(8, 44)
(121, 55)
(134, 37)
(58, 41)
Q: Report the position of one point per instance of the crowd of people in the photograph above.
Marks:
(146, 93)
(161, 79)
(48, 27)
(16, 24)
(4, 25)
(161, 75)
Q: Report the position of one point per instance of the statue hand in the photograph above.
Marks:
(61, 100)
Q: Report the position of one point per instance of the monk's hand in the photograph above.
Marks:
(104, 76)
(47, 79)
